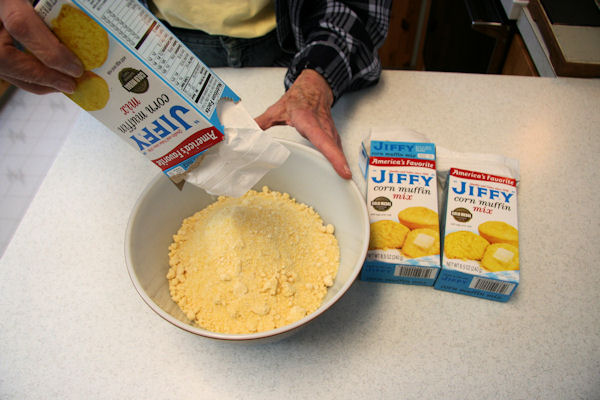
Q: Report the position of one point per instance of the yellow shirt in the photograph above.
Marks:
(235, 18)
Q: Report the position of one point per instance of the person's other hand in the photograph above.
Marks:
(307, 107)
(47, 65)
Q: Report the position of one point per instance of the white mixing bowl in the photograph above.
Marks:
(306, 175)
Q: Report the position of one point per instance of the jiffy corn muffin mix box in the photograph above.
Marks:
(402, 200)
(481, 237)
(140, 81)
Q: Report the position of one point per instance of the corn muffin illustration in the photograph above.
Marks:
(386, 234)
(91, 93)
(82, 35)
(500, 257)
(499, 232)
(465, 245)
(421, 243)
(419, 217)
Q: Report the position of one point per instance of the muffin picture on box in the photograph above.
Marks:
(89, 41)
(416, 234)
(495, 248)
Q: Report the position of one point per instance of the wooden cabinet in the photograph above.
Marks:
(518, 61)
(404, 43)
(571, 40)
(403, 48)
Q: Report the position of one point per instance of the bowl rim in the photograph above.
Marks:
(246, 336)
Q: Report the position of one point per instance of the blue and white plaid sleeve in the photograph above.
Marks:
(338, 39)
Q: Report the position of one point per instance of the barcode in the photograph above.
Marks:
(414, 272)
(489, 285)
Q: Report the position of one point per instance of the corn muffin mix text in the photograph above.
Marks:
(404, 245)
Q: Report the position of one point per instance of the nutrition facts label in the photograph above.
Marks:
(133, 25)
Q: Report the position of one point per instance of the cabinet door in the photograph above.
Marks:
(518, 61)
(404, 43)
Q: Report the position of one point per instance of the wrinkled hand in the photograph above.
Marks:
(47, 66)
(307, 107)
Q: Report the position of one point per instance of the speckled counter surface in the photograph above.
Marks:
(73, 327)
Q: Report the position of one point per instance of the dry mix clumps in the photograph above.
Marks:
(253, 263)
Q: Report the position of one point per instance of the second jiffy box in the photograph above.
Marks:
(481, 237)
(402, 200)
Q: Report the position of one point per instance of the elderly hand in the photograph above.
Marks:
(47, 65)
(307, 107)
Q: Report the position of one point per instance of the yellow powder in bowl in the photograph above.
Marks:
(253, 263)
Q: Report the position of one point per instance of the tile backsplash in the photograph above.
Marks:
(32, 131)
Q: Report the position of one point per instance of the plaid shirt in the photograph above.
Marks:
(339, 39)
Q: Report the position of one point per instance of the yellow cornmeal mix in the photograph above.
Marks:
(253, 263)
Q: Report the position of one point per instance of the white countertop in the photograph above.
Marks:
(73, 327)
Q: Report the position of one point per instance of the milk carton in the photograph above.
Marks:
(480, 234)
(149, 89)
(402, 201)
